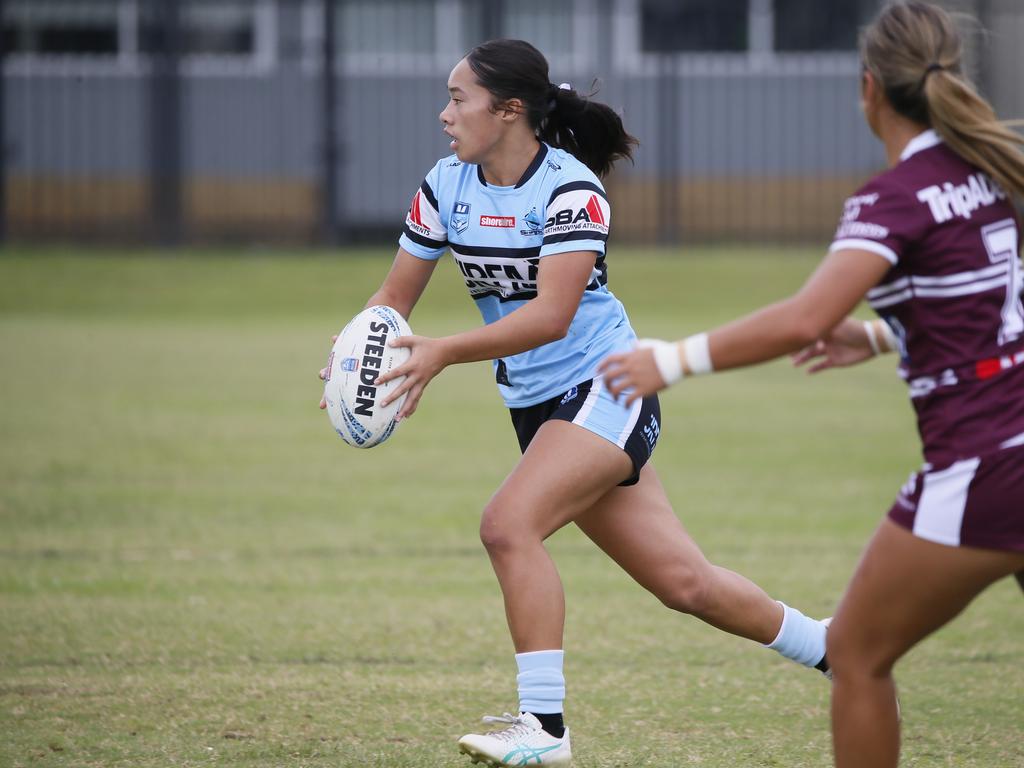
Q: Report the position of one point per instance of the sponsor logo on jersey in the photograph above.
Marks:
(494, 275)
(570, 395)
(504, 222)
(553, 165)
(460, 217)
(589, 217)
(851, 210)
(850, 227)
(350, 364)
(414, 219)
(961, 200)
(533, 223)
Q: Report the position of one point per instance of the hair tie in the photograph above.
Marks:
(553, 92)
(933, 67)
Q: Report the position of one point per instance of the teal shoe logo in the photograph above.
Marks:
(527, 755)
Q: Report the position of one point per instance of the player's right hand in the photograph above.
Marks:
(846, 344)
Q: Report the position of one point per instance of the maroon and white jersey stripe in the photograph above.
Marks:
(952, 296)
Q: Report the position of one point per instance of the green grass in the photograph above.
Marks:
(195, 571)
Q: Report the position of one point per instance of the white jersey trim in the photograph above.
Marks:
(856, 244)
(942, 286)
(920, 143)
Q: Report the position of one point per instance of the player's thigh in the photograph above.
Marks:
(564, 471)
(905, 588)
(637, 527)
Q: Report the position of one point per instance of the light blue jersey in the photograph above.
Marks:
(498, 235)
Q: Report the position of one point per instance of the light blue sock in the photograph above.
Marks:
(541, 683)
(800, 638)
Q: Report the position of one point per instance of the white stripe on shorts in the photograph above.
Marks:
(940, 512)
(1013, 442)
(634, 414)
(588, 405)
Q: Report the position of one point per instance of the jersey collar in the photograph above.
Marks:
(919, 143)
(527, 174)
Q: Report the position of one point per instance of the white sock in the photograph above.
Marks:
(541, 682)
(800, 638)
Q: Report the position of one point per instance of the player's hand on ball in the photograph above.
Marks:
(425, 362)
(844, 345)
(635, 371)
(323, 377)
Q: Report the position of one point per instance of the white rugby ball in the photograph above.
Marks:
(361, 354)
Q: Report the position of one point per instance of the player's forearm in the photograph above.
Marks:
(383, 297)
(531, 326)
(777, 330)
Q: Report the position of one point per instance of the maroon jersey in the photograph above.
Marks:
(952, 296)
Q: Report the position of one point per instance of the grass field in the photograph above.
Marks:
(195, 571)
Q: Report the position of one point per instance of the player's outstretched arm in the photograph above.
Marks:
(829, 295)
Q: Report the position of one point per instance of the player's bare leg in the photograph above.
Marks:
(565, 470)
(904, 589)
(636, 526)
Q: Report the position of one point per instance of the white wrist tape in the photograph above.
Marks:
(888, 336)
(869, 329)
(880, 336)
(666, 357)
(698, 354)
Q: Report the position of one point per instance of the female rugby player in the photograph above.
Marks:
(933, 243)
(521, 208)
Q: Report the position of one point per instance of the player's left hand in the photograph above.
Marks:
(426, 361)
(634, 371)
(323, 377)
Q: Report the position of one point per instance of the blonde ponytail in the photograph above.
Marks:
(914, 51)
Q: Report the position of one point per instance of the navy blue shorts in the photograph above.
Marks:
(634, 429)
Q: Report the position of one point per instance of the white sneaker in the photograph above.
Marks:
(524, 742)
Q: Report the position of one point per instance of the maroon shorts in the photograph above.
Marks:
(975, 502)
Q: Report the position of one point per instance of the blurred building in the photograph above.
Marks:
(208, 119)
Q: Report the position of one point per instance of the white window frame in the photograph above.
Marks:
(760, 58)
(129, 61)
(449, 36)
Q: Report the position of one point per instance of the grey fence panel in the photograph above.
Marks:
(748, 143)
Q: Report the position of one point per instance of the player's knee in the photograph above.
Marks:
(687, 591)
(852, 655)
(499, 531)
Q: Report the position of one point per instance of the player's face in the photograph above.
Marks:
(469, 118)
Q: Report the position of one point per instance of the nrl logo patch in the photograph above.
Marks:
(460, 217)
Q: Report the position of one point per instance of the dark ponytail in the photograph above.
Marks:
(590, 131)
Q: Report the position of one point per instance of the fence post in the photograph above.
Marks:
(331, 220)
(165, 123)
(668, 142)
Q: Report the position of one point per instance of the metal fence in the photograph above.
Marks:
(315, 120)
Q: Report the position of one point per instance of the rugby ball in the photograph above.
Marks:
(361, 354)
